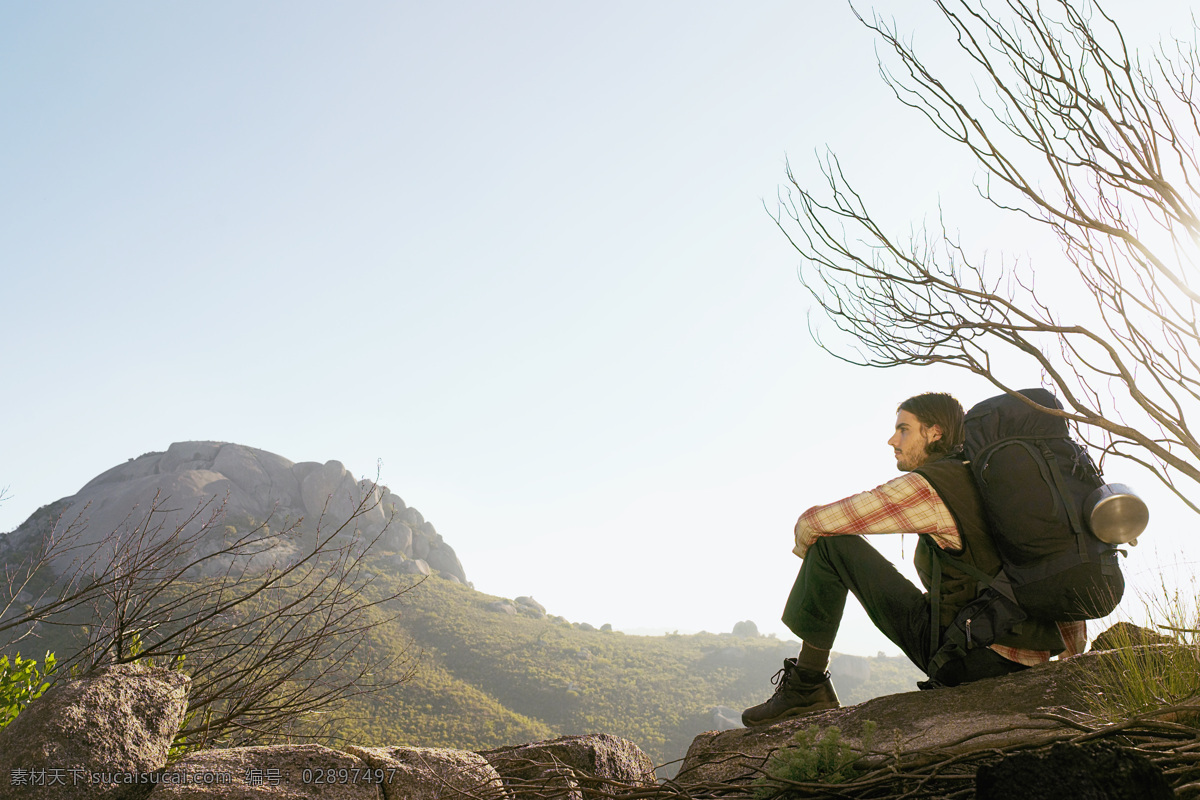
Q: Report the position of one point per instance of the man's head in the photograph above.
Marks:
(928, 426)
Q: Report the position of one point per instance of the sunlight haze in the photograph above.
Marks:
(515, 256)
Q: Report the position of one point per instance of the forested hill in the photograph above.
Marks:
(486, 678)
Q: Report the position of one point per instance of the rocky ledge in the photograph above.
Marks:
(107, 735)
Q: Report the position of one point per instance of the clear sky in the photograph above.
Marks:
(516, 253)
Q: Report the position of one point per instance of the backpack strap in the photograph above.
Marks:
(952, 644)
(935, 597)
(999, 582)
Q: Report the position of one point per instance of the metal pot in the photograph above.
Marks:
(1115, 514)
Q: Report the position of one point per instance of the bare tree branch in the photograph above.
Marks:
(1072, 131)
(271, 626)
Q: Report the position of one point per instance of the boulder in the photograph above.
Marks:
(952, 719)
(421, 544)
(331, 495)
(392, 504)
(397, 537)
(303, 469)
(530, 606)
(538, 780)
(265, 477)
(1126, 634)
(1101, 770)
(443, 558)
(502, 607)
(91, 736)
(587, 760)
(414, 566)
(745, 629)
(372, 518)
(425, 773)
(412, 517)
(276, 772)
(189, 455)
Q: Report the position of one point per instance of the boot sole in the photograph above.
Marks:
(791, 712)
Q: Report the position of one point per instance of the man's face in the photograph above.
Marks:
(911, 440)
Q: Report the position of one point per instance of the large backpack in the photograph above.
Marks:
(1035, 483)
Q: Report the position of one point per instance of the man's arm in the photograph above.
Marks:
(906, 504)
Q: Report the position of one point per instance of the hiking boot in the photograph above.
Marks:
(797, 691)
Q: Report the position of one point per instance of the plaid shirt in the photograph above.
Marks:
(909, 504)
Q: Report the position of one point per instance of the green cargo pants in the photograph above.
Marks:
(838, 565)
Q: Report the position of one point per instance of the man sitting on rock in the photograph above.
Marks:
(936, 496)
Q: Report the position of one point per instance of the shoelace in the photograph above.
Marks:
(779, 680)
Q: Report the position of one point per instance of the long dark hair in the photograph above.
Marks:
(941, 409)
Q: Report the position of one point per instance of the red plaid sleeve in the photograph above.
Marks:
(906, 504)
(1073, 633)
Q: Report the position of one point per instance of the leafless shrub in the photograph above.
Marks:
(271, 626)
(1070, 130)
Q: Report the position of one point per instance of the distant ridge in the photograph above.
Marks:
(248, 487)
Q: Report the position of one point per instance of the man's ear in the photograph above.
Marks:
(933, 433)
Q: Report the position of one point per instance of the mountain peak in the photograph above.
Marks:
(245, 487)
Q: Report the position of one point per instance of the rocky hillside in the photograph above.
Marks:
(244, 487)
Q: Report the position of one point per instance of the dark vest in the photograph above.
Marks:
(952, 481)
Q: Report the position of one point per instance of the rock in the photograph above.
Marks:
(420, 544)
(526, 602)
(587, 760)
(502, 607)
(397, 537)
(443, 558)
(303, 469)
(941, 718)
(424, 773)
(118, 720)
(277, 772)
(331, 496)
(218, 489)
(413, 517)
(332, 491)
(431, 532)
(266, 478)
(1100, 770)
(189, 455)
(745, 629)
(540, 779)
(371, 518)
(1126, 634)
(392, 504)
(415, 566)
(197, 484)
